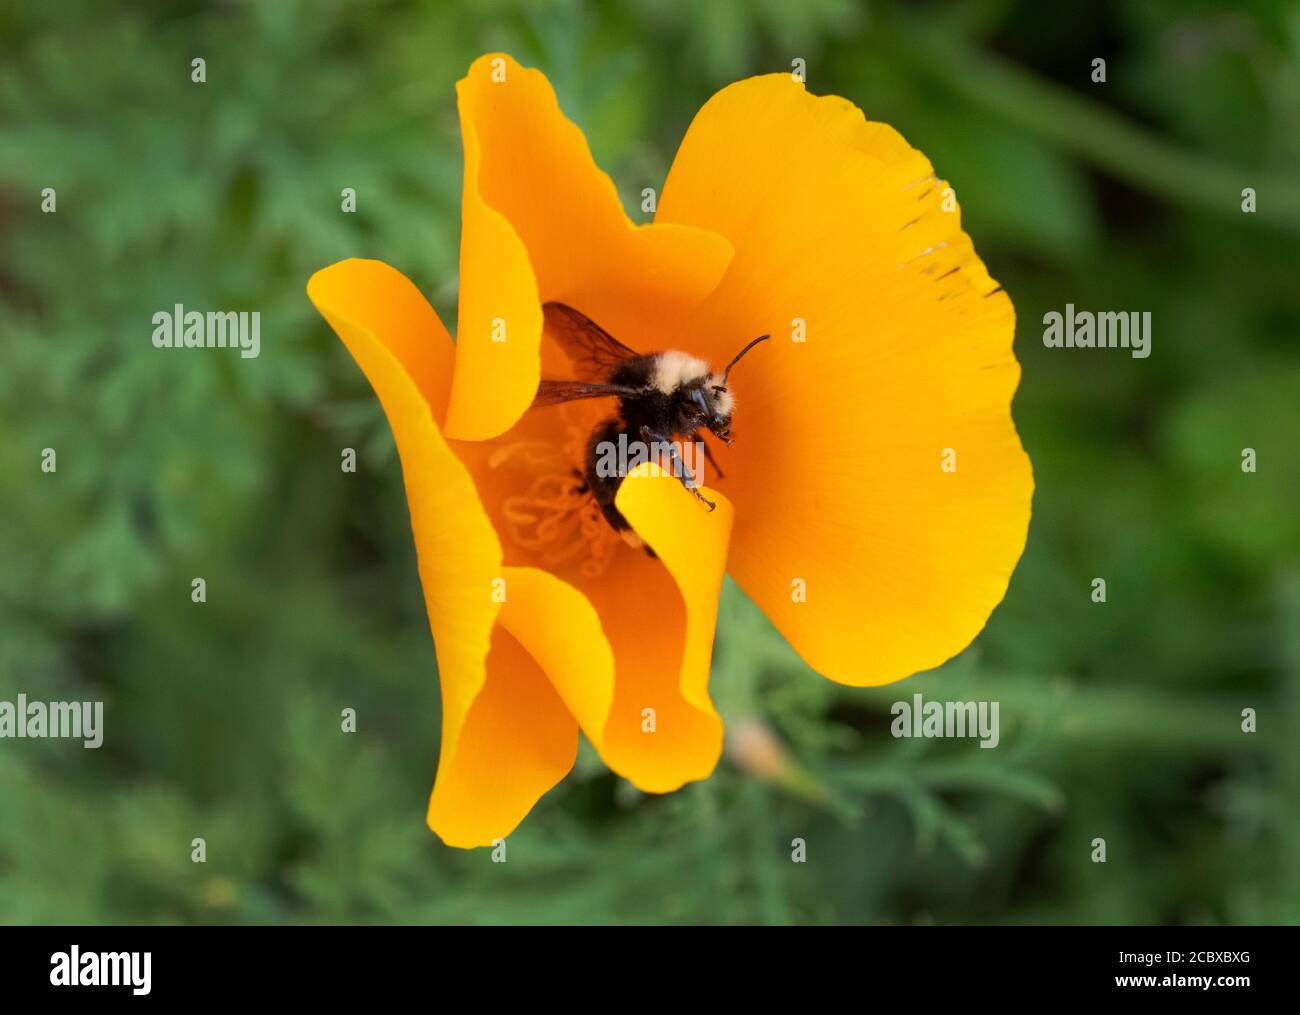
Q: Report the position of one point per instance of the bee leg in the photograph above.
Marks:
(708, 457)
(678, 466)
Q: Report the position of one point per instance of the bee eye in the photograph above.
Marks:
(698, 407)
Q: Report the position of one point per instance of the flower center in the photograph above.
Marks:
(556, 518)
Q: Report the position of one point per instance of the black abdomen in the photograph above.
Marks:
(652, 410)
(605, 488)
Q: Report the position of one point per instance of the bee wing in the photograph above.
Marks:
(558, 392)
(594, 351)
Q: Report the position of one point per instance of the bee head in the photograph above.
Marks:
(719, 401)
(705, 404)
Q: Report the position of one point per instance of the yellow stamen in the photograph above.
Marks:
(556, 517)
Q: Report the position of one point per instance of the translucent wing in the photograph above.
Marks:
(594, 351)
(557, 392)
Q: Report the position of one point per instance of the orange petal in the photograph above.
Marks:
(659, 617)
(561, 630)
(540, 222)
(518, 741)
(845, 239)
(496, 760)
(499, 318)
(381, 315)
(638, 638)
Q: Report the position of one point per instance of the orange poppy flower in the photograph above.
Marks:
(875, 501)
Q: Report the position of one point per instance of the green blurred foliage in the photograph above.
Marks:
(1118, 720)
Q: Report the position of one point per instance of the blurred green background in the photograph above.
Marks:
(1119, 720)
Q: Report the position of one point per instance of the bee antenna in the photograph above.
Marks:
(727, 372)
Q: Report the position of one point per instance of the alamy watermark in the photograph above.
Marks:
(618, 458)
(217, 329)
(73, 720)
(75, 968)
(1106, 329)
(919, 718)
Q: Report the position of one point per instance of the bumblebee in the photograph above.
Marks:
(662, 397)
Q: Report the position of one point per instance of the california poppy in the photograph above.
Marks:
(876, 498)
